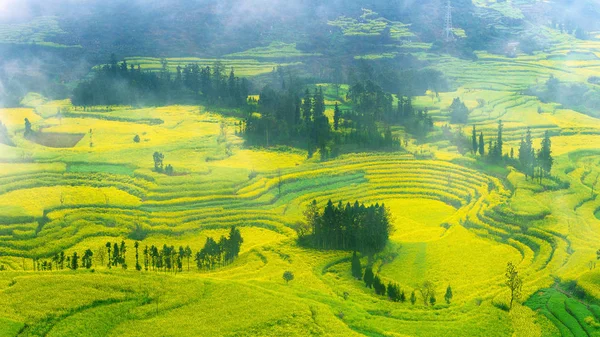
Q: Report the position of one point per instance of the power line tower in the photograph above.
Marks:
(448, 30)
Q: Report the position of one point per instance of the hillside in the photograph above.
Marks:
(122, 132)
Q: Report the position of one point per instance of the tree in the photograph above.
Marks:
(432, 299)
(378, 285)
(28, 132)
(74, 261)
(307, 107)
(448, 295)
(337, 114)
(356, 267)
(288, 276)
(188, 255)
(136, 138)
(526, 155)
(369, 277)
(427, 290)
(86, 260)
(311, 214)
(481, 145)
(499, 143)
(158, 161)
(108, 246)
(459, 113)
(474, 141)
(169, 170)
(138, 267)
(545, 159)
(514, 283)
(413, 298)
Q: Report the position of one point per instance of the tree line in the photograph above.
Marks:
(533, 163)
(392, 290)
(124, 84)
(355, 227)
(154, 258)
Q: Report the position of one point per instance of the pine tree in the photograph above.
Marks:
(307, 107)
(448, 295)
(481, 145)
(138, 267)
(474, 141)
(108, 246)
(499, 142)
(545, 156)
(356, 267)
(74, 261)
(368, 277)
(337, 114)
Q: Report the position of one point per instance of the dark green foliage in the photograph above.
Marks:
(475, 146)
(413, 298)
(116, 84)
(138, 267)
(419, 123)
(86, 259)
(432, 299)
(28, 132)
(481, 145)
(369, 277)
(448, 295)
(356, 267)
(136, 138)
(359, 228)
(288, 276)
(158, 161)
(378, 286)
(495, 153)
(530, 161)
(286, 119)
(394, 293)
(220, 253)
(169, 170)
(337, 115)
(459, 113)
(74, 261)
(577, 96)
(544, 157)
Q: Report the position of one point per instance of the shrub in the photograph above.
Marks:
(136, 138)
(288, 276)
(501, 305)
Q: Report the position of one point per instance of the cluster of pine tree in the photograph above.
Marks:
(167, 258)
(59, 261)
(116, 254)
(532, 162)
(349, 227)
(220, 253)
(288, 117)
(393, 290)
(123, 84)
(535, 163)
(418, 123)
(459, 113)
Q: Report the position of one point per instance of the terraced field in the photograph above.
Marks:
(454, 226)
